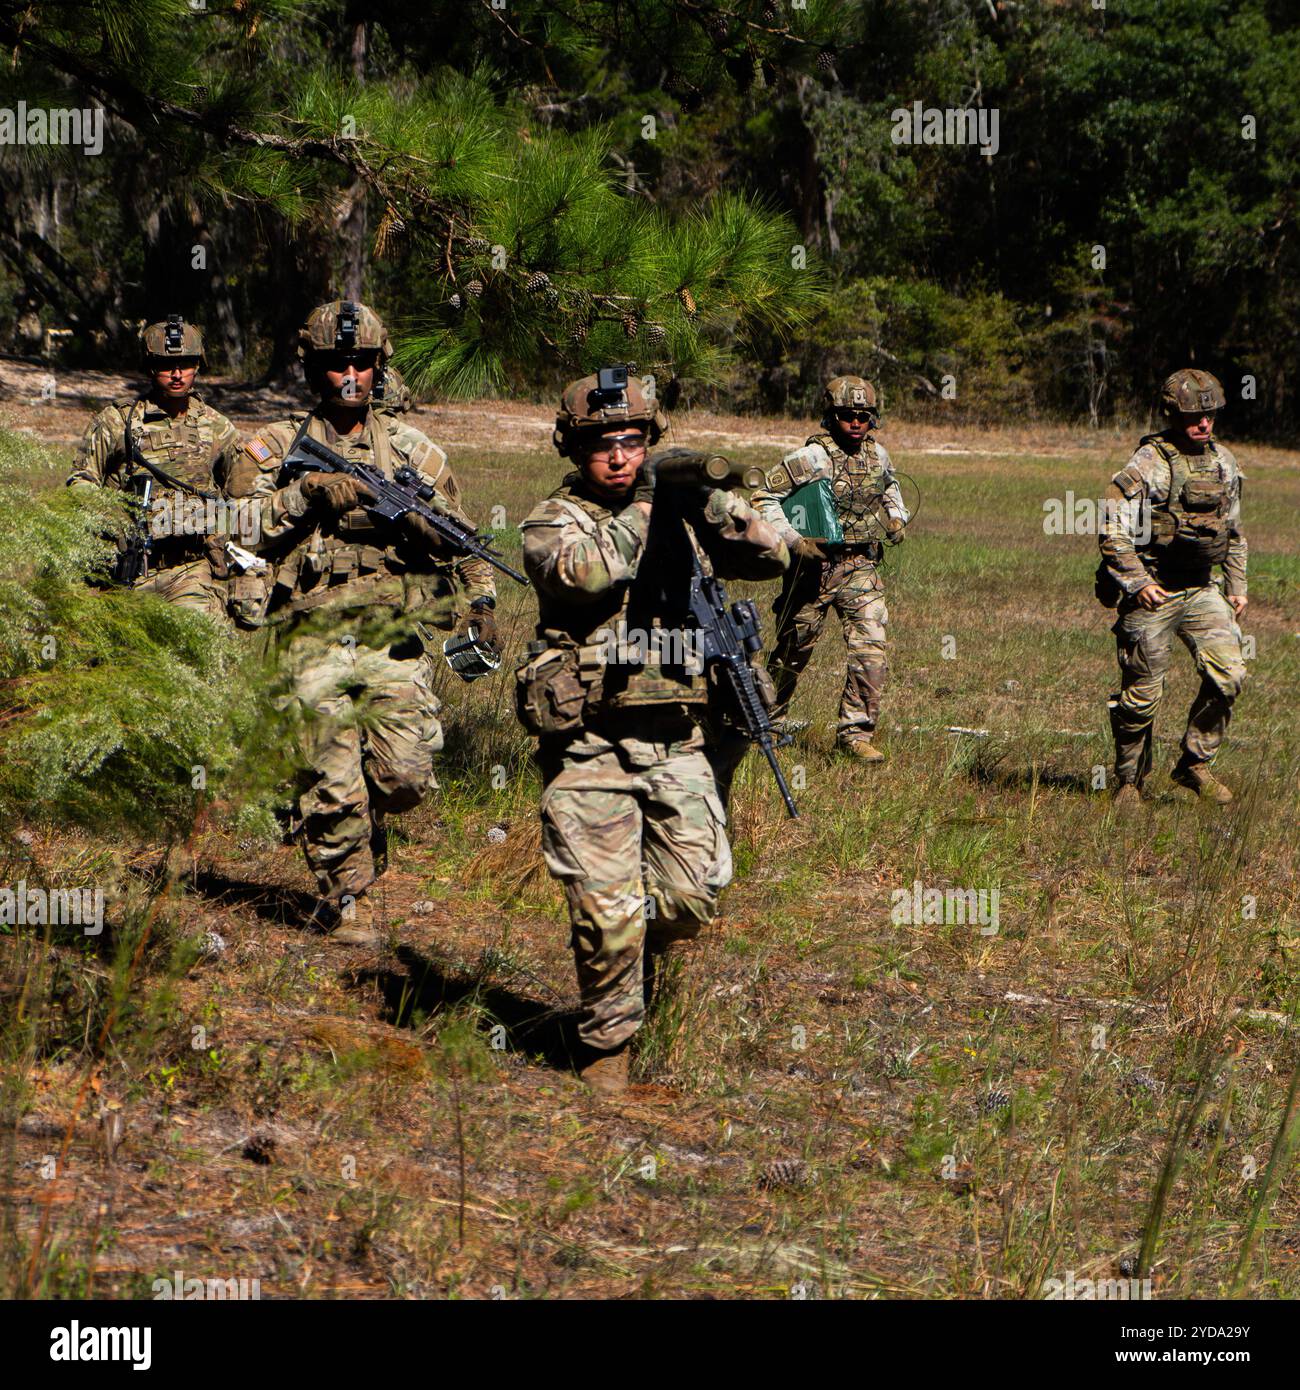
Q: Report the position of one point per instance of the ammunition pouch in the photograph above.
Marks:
(1106, 587)
(555, 685)
(248, 595)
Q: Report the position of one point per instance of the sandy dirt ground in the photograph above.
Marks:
(57, 404)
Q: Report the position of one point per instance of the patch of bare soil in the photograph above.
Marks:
(55, 404)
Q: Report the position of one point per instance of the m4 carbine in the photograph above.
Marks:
(406, 492)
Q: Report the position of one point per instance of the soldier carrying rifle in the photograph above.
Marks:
(632, 821)
(166, 447)
(358, 586)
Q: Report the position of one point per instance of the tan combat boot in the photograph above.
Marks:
(606, 1072)
(1127, 799)
(1198, 778)
(864, 750)
(356, 923)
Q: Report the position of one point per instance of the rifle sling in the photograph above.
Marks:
(133, 451)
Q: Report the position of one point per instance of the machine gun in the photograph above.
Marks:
(729, 632)
(403, 494)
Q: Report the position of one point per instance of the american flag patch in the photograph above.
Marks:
(257, 449)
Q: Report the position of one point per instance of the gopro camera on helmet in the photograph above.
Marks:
(174, 337)
(611, 383)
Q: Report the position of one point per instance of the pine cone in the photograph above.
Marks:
(475, 287)
(771, 14)
(579, 333)
(655, 333)
(785, 1174)
(630, 325)
(825, 60)
(551, 297)
(688, 301)
(476, 246)
(537, 282)
(717, 26)
(456, 302)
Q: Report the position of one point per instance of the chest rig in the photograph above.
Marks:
(615, 665)
(1189, 529)
(856, 485)
(184, 447)
(350, 558)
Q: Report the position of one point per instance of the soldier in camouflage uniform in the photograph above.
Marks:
(170, 428)
(352, 599)
(843, 576)
(632, 822)
(1181, 490)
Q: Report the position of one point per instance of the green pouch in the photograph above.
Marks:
(811, 510)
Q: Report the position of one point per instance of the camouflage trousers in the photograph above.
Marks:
(191, 585)
(850, 584)
(633, 827)
(369, 732)
(1202, 620)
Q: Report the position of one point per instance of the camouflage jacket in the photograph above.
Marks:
(1147, 509)
(582, 555)
(199, 448)
(855, 481)
(353, 560)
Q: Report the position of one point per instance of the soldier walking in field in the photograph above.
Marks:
(1174, 514)
(843, 574)
(169, 449)
(354, 600)
(632, 821)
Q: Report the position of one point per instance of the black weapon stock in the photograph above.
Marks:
(403, 494)
(133, 554)
(730, 632)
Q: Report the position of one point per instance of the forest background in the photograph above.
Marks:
(712, 190)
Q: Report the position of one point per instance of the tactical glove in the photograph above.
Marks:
(420, 530)
(218, 561)
(334, 493)
(806, 549)
(482, 618)
(894, 529)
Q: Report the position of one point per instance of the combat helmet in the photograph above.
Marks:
(168, 339)
(343, 325)
(1191, 392)
(848, 391)
(608, 398)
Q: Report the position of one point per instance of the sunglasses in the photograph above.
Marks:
(626, 443)
(340, 361)
(856, 416)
